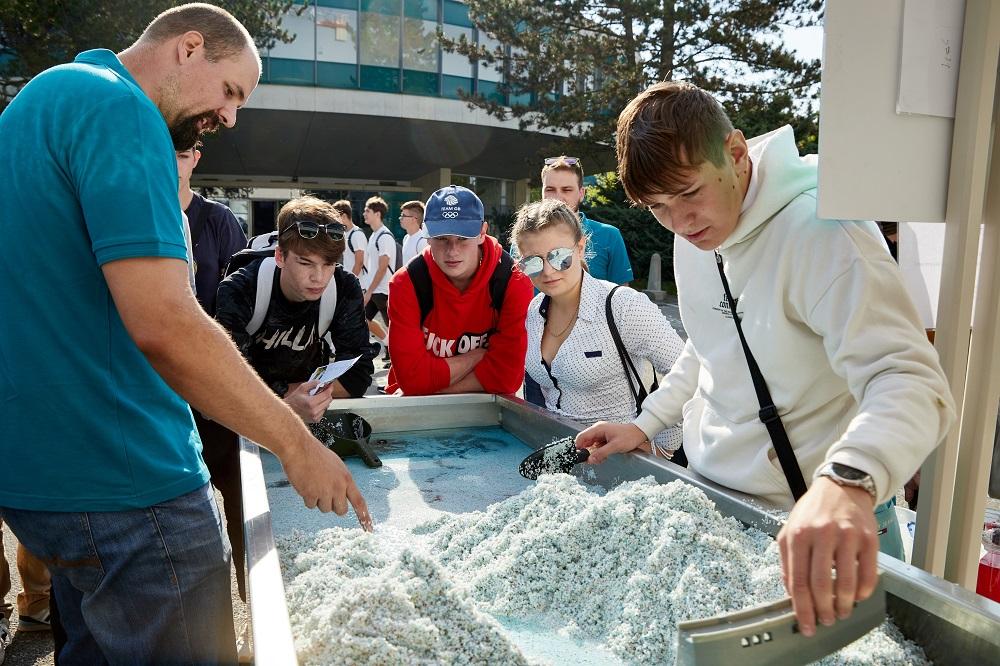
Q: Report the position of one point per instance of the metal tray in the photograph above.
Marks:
(951, 624)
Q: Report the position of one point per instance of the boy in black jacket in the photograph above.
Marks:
(286, 345)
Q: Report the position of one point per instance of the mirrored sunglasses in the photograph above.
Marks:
(308, 229)
(571, 161)
(559, 259)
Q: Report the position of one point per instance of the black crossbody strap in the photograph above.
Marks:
(637, 394)
(768, 413)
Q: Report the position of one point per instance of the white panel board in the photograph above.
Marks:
(931, 50)
(921, 248)
(875, 164)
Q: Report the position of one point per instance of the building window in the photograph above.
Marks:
(380, 33)
(336, 35)
(456, 69)
(337, 47)
(303, 26)
(490, 75)
(456, 13)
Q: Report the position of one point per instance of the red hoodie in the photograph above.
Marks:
(458, 322)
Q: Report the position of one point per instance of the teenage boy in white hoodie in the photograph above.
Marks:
(857, 385)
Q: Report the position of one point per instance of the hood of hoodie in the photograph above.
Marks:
(480, 280)
(774, 156)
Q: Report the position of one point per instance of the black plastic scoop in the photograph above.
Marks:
(347, 434)
(559, 456)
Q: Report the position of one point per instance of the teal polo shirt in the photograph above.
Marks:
(606, 256)
(87, 177)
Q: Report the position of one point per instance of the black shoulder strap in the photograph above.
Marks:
(768, 413)
(500, 279)
(420, 277)
(638, 390)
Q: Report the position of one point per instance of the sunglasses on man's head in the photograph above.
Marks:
(571, 161)
(559, 259)
(309, 229)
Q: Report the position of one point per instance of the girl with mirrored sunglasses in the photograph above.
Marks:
(571, 351)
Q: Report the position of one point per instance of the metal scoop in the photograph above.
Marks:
(768, 634)
(560, 456)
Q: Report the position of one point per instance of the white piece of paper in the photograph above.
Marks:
(325, 374)
(931, 53)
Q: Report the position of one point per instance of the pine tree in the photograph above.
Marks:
(572, 65)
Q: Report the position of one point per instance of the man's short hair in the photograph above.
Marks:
(560, 164)
(417, 206)
(378, 205)
(664, 135)
(315, 210)
(225, 37)
(343, 207)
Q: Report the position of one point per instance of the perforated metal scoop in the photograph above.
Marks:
(768, 634)
(560, 456)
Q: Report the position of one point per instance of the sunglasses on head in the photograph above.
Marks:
(559, 259)
(571, 161)
(309, 229)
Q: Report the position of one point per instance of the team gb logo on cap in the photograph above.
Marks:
(451, 209)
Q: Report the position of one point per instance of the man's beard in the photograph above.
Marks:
(185, 133)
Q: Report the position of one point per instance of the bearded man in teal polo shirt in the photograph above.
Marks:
(103, 345)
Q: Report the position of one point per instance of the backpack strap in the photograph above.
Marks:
(420, 277)
(638, 390)
(262, 300)
(500, 279)
(327, 306)
(768, 413)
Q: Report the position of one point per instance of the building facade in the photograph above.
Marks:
(365, 101)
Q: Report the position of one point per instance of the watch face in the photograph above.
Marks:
(849, 473)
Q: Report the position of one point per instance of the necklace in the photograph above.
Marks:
(562, 332)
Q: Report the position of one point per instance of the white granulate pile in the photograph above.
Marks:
(621, 569)
(349, 603)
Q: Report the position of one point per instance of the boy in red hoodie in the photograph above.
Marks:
(458, 309)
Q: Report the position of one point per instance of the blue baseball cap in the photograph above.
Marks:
(454, 211)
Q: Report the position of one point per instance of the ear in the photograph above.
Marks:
(279, 257)
(197, 156)
(189, 44)
(482, 232)
(736, 146)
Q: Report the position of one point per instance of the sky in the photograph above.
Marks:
(807, 41)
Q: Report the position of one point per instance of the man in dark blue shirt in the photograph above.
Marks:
(216, 234)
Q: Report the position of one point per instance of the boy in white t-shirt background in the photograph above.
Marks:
(380, 257)
(412, 220)
(357, 242)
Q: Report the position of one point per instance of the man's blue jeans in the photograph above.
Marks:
(142, 586)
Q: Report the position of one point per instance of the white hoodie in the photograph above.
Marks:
(835, 334)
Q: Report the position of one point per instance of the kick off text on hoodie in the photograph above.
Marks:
(832, 328)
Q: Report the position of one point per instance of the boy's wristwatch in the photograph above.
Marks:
(843, 475)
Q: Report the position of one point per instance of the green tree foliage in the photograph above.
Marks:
(37, 34)
(574, 64)
(643, 235)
